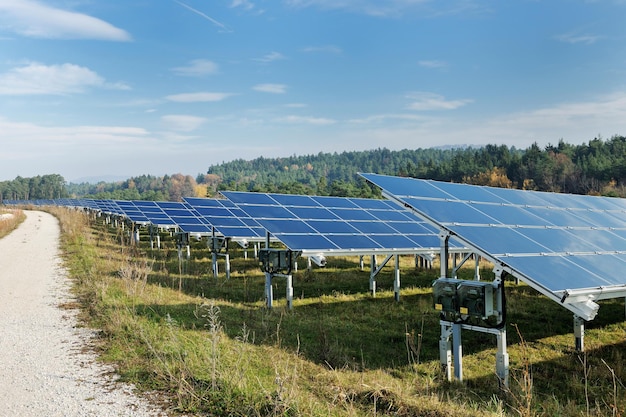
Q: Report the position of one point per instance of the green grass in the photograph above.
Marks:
(209, 346)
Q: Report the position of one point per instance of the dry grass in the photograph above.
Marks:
(10, 220)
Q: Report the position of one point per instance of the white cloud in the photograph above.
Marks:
(271, 88)
(432, 64)
(66, 78)
(573, 38)
(423, 101)
(382, 118)
(182, 122)
(392, 8)
(197, 68)
(272, 56)
(198, 97)
(332, 49)
(37, 20)
(244, 4)
(319, 121)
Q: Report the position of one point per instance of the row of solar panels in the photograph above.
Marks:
(311, 224)
(571, 248)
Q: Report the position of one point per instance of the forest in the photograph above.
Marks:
(597, 168)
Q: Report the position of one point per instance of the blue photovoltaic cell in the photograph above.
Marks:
(556, 241)
(227, 220)
(329, 224)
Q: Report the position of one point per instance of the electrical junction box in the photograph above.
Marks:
(476, 299)
(277, 261)
(445, 295)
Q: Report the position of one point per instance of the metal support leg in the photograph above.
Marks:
(445, 351)
(579, 333)
(227, 258)
(396, 281)
(308, 264)
(214, 262)
(361, 263)
(188, 252)
(502, 360)
(477, 268)
(457, 351)
(158, 241)
(289, 292)
(373, 276)
(269, 296)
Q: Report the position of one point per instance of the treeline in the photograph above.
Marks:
(144, 187)
(35, 188)
(597, 167)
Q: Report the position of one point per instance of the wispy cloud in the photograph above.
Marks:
(331, 49)
(36, 78)
(393, 8)
(271, 57)
(383, 118)
(243, 4)
(199, 97)
(34, 19)
(197, 68)
(217, 23)
(574, 38)
(423, 101)
(271, 88)
(182, 122)
(318, 121)
(432, 64)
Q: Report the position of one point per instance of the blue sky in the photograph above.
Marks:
(90, 88)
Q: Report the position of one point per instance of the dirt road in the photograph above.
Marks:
(44, 368)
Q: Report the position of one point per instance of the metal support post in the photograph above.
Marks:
(188, 252)
(445, 350)
(308, 264)
(269, 295)
(361, 263)
(444, 255)
(502, 360)
(289, 292)
(477, 267)
(373, 276)
(457, 351)
(396, 281)
(227, 259)
(579, 333)
(214, 262)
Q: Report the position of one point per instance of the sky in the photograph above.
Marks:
(100, 88)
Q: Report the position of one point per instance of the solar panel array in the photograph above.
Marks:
(337, 225)
(560, 243)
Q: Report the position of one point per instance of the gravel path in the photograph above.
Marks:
(44, 368)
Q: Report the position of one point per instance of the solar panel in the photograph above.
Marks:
(337, 225)
(185, 218)
(227, 219)
(563, 245)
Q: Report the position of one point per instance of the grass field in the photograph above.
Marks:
(208, 345)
